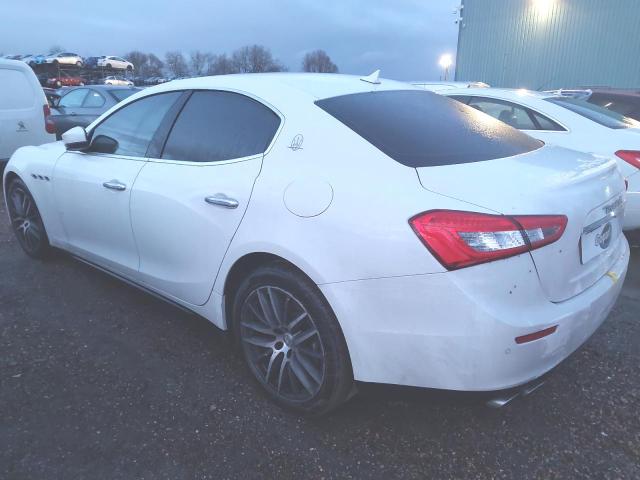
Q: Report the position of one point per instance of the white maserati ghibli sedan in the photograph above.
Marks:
(342, 229)
(567, 122)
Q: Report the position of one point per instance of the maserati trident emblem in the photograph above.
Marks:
(603, 239)
(296, 143)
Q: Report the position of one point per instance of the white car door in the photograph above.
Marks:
(92, 188)
(188, 202)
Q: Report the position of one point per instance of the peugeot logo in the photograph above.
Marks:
(296, 143)
(603, 239)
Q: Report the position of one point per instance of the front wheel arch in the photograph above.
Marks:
(36, 244)
(9, 177)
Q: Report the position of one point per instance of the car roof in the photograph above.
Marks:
(113, 87)
(444, 84)
(502, 92)
(283, 87)
(14, 65)
(107, 87)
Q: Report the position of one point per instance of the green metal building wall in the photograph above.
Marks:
(546, 44)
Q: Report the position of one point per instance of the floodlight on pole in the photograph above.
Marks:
(445, 62)
(543, 9)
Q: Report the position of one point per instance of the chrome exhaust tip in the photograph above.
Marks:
(523, 391)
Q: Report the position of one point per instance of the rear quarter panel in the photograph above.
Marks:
(362, 233)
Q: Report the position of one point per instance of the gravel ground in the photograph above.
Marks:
(100, 381)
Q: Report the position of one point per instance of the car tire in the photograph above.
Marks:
(109, 67)
(291, 340)
(26, 221)
(55, 62)
(129, 68)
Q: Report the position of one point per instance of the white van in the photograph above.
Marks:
(24, 111)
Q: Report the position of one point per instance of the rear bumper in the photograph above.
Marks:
(457, 330)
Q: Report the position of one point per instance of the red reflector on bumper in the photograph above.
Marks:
(530, 337)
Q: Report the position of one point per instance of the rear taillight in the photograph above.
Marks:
(461, 239)
(49, 126)
(632, 157)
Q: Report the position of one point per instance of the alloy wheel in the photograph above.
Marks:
(282, 343)
(26, 220)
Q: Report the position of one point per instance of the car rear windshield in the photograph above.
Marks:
(598, 114)
(422, 129)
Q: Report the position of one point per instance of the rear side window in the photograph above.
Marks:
(130, 130)
(74, 98)
(215, 126)
(93, 100)
(122, 93)
(595, 113)
(461, 98)
(16, 92)
(545, 123)
(506, 112)
(423, 129)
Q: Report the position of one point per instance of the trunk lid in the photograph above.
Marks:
(589, 190)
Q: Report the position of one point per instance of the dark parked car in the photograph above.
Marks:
(624, 102)
(53, 96)
(82, 105)
(91, 62)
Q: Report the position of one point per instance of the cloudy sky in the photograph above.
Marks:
(404, 38)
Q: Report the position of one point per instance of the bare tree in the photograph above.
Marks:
(176, 63)
(55, 49)
(139, 60)
(319, 62)
(199, 63)
(154, 66)
(221, 65)
(255, 59)
(146, 64)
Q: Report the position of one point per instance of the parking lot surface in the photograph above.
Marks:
(101, 381)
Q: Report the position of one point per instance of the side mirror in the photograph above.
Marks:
(104, 144)
(75, 139)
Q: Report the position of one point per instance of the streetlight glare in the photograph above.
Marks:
(543, 7)
(446, 60)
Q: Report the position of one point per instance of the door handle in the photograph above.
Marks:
(222, 200)
(114, 185)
